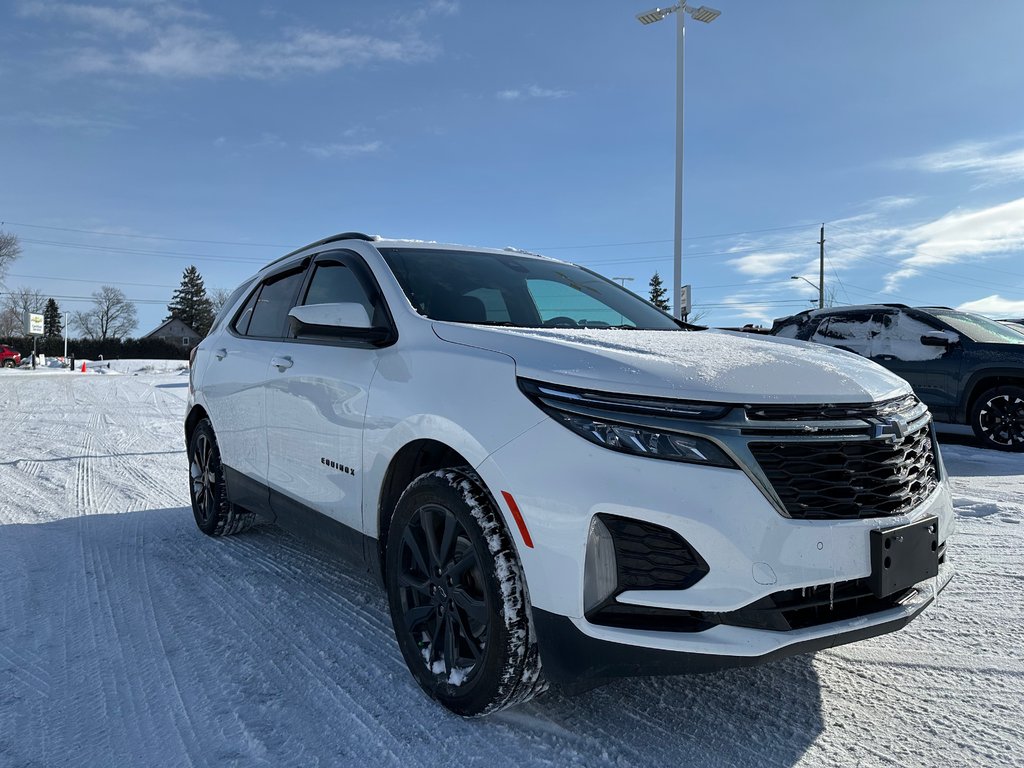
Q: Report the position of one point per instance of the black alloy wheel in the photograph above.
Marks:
(204, 473)
(442, 595)
(998, 418)
(458, 597)
(214, 513)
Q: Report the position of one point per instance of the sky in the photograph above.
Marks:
(138, 137)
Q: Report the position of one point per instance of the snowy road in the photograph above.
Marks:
(129, 638)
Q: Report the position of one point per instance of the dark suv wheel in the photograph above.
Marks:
(998, 418)
(458, 598)
(215, 514)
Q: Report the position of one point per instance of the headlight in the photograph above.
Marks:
(621, 423)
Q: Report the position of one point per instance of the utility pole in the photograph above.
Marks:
(821, 269)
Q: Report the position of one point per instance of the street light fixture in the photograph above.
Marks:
(818, 288)
(705, 15)
(622, 280)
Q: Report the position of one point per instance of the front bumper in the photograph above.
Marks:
(573, 650)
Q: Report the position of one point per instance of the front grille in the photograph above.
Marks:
(829, 412)
(850, 479)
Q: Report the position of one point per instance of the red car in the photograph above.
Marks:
(8, 357)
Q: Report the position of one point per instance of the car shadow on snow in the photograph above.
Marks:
(133, 639)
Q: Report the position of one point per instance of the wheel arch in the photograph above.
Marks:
(197, 414)
(982, 382)
(409, 462)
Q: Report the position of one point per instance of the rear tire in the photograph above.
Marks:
(214, 513)
(997, 418)
(9, 362)
(458, 598)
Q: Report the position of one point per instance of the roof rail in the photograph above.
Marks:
(325, 241)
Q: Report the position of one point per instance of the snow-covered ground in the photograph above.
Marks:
(127, 638)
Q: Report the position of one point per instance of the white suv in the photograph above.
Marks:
(556, 480)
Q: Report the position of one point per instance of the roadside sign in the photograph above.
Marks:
(684, 301)
(33, 324)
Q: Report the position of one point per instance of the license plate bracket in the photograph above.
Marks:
(903, 556)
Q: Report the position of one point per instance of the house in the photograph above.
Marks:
(175, 331)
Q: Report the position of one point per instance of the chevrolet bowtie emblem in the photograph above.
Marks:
(892, 428)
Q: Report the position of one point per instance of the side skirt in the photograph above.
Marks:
(304, 522)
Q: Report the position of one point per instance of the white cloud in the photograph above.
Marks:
(57, 122)
(766, 264)
(428, 10)
(961, 236)
(532, 92)
(120, 20)
(171, 41)
(994, 306)
(992, 161)
(343, 149)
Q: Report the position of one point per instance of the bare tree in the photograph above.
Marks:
(10, 249)
(16, 303)
(112, 316)
(218, 297)
(11, 323)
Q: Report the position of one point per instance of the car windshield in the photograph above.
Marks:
(516, 290)
(978, 328)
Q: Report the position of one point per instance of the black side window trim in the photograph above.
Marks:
(303, 266)
(365, 276)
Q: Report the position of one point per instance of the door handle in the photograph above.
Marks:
(220, 354)
(282, 363)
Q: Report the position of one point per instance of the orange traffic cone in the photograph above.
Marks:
(83, 367)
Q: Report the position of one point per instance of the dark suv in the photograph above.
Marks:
(967, 368)
(8, 357)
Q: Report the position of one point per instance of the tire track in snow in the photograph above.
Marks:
(138, 567)
(278, 632)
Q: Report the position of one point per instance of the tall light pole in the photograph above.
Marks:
(706, 15)
(820, 288)
(65, 335)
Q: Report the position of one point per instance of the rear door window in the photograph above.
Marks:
(852, 331)
(273, 302)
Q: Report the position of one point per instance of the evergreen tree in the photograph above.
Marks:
(190, 304)
(53, 325)
(658, 295)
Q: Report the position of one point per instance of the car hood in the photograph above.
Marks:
(716, 366)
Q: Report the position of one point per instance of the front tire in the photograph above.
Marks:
(458, 598)
(997, 418)
(9, 362)
(214, 513)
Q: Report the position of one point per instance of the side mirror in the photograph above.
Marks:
(939, 339)
(342, 320)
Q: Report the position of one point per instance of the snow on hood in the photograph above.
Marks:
(717, 366)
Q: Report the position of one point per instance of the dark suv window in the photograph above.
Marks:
(270, 305)
(335, 283)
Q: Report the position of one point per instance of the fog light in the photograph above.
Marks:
(599, 571)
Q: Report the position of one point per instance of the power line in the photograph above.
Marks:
(292, 247)
(937, 273)
(662, 242)
(84, 280)
(139, 252)
(90, 298)
(146, 237)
